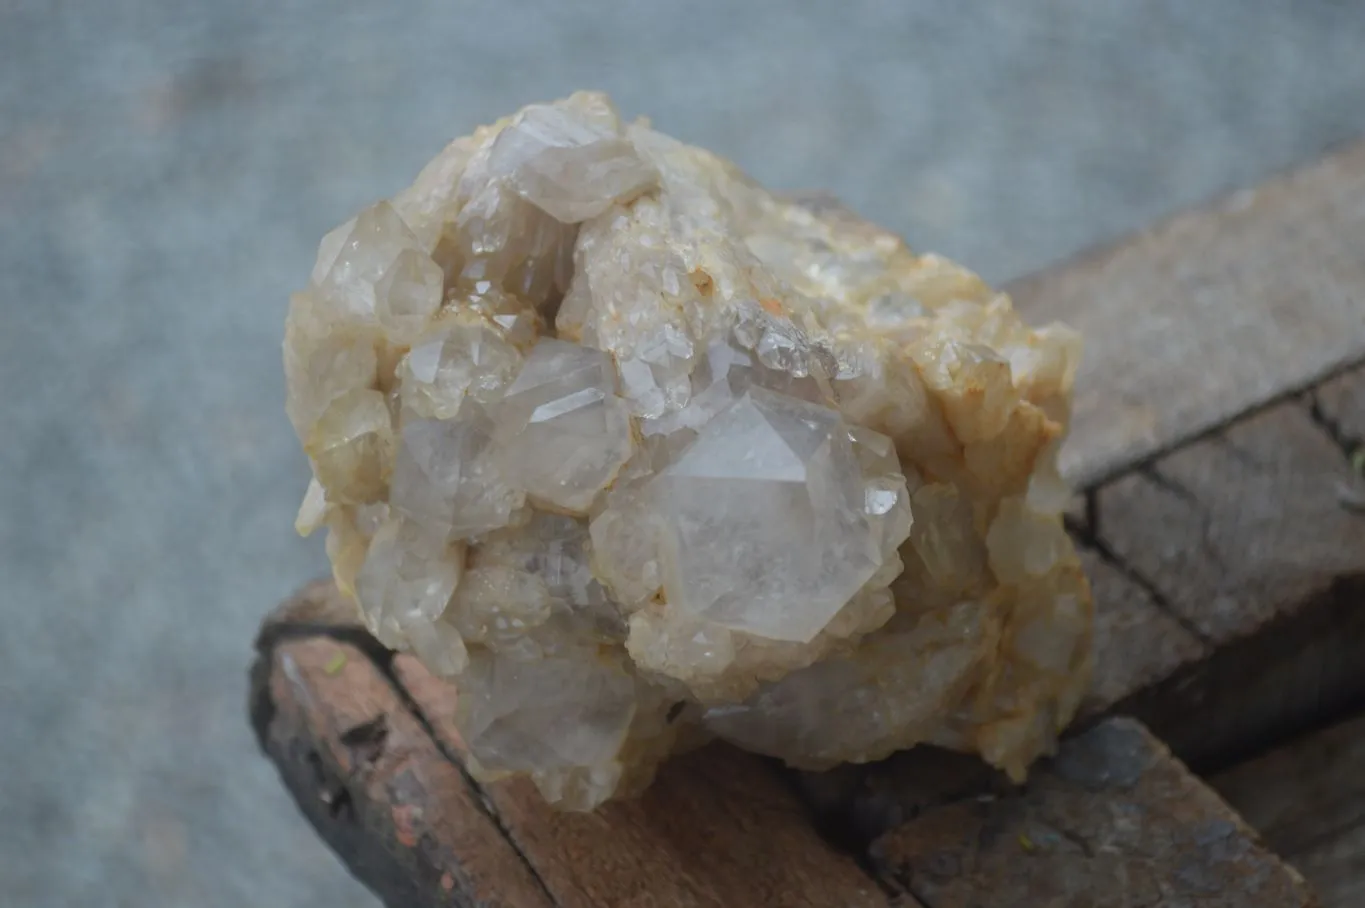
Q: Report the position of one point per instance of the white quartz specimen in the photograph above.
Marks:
(638, 453)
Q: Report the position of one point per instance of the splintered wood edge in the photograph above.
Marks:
(1218, 311)
(363, 741)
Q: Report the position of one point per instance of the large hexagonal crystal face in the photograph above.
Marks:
(765, 529)
(637, 453)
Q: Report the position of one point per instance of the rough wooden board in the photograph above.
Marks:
(1232, 528)
(1307, 799)
(1137, 643)
(1114, 820)
(1292, 675)
(363, 741)
(1244, 536)
(367, 776)
(718, 827)
(1210, 314)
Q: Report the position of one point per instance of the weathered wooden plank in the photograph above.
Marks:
(1232, 528)
(1246, 538)
(1307, 800)
(367, 776)
(364, 742)
(1211, 314)
(718, 827)
(1138, 644)
(1114, 820)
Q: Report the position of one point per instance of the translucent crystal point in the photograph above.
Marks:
(446, 477)
(453, 361)
(571, 161)
(407, 573)
(555, 712)
(351, 446)
(354, 260)
(563, 432)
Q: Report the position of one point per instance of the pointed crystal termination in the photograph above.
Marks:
(563, 432)
(446, 477)
(573, 164)
(637, 454)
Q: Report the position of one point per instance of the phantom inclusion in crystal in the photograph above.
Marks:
(639, 454)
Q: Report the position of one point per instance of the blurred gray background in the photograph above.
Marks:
(166, 169)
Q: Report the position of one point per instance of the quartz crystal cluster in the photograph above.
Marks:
(641, 455)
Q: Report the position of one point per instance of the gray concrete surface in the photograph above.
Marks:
(166, 169)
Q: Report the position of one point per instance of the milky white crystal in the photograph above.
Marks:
(639, 454)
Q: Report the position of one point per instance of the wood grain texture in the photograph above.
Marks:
(364, 742)
(1244, 536)
(718, 827)
(1307, 799)
(1138, 644)
(366, 774)
(1113, 822)
(1232, 528)
(1211, 314)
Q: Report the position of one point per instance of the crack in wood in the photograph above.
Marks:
(1086, 537)
(1092, 511)
(1235, 451)
(1169, 484)
(1123, 468)
(1333, 428)
(1073, 837)
(381, 658)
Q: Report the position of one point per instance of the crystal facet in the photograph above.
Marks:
(638, 453)
(765, 524)
(563, 432)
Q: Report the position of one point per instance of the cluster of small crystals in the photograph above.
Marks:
(641, 455)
